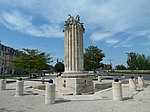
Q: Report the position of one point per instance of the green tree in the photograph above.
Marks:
(141, 62)
(32, 60)
(148, 63)
(0, 56)
(120, 67)
(138, 61)
(106, 67)
(92, 57)
(131, 61)
(51, 69)
(59, 67)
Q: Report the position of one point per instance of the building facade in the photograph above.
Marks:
(7, 56)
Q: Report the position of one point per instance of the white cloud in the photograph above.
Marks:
(115, 16)
(99, 36)
(126, 42)
(112, 41)
(147, 44)
(144, 33)
(106, 37)
(15, 20)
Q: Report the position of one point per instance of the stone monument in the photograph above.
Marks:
(74, 80)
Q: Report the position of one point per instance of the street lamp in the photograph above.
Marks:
(110, 62)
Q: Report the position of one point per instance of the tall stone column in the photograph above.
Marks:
(74, 45)
(74, 80)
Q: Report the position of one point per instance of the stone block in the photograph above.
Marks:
(75, 85)
(2, 84)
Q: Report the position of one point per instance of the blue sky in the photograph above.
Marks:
(115, 26)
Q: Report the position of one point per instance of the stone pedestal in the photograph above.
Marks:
(50, 93)
(2, 84)
(132, 85)
(117, 90)
(140, 82)
(74, 84)
(19, 88)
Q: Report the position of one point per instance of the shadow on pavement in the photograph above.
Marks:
(5, 110)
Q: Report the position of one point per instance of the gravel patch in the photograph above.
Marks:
(138, 101)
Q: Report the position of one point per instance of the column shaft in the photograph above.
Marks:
(70, 49)
(82, 57)
(78, 50)
(66, 49)
(73, 49)
(76, 53)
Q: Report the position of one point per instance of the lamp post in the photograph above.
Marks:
(110, 62)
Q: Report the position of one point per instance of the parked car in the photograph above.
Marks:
(35, 74)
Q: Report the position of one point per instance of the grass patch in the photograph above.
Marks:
(13, 76)
(146, 73)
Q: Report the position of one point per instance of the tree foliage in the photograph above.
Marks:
(137, 61)
(120, 67)
(32, 60)
(92, 57)
(107, 67)
(59, 67)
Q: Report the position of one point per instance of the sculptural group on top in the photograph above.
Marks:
(71, 21)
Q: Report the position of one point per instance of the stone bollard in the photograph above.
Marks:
(140, 81)
(19, 87)
(132, 84)
(99, 78)
(116, 90)
(2, 84)
(123, 76)
(42, 78)
(50, 92)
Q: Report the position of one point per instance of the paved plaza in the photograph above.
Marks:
(33, 100)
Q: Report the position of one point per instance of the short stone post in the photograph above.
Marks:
(132, 84)
(99, 78)
(2, 84)
(19, 87)
(50, 92)
(116, 90)
(42, 78)
(140, 81)
(123, 76)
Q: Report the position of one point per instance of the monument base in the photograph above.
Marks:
(74, 84)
